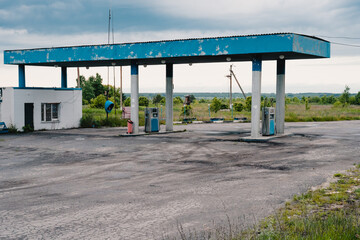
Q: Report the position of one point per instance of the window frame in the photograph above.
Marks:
(44, 111)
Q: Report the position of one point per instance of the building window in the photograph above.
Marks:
(49, 112)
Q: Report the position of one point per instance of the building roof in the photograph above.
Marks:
(193, 50)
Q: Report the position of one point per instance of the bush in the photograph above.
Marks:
(12, 129)
(27, 128)
(215, 105)
(178, 100)
(238, 107)
(187, 109)
(224, 106)
(88, 121)
(127, 102)
(143, 101)
(98, 102)
(202, 100)
(248, 104)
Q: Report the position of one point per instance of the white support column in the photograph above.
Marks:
(280, 97)
(135, 97)
(256, 98)
(169, 97)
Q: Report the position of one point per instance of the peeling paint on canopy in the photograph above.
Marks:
(219, 49)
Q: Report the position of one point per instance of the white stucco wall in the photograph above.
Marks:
(14, 99)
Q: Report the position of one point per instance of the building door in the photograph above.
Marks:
(29, 114)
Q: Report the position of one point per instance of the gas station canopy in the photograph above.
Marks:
(199, 50)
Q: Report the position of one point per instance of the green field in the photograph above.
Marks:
(200, 111)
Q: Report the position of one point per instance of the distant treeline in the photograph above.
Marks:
(211, 95)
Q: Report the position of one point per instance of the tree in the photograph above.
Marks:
(248, 104)
(87, 91)
(215, 105)
(177, 100)
(345, 96)
(157, 99)
(127, 102)
(192, 98)
(98, 102)
(143, 101)
(96, 83)
(357, 98)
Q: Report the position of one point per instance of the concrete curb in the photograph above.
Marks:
(152, 133)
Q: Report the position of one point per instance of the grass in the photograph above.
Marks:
(200, 111)
(327, 213)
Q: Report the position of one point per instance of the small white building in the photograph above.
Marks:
(41, 108)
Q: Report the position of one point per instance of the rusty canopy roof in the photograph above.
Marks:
(197, 50)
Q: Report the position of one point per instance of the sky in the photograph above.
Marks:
(40, 23)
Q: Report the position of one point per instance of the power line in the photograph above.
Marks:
(345, 44)
(355, 38)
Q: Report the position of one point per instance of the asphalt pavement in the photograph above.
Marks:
(95, 184)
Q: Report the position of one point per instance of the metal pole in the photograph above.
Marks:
(232, 72)
(121, 90)
(280, 97)
(209, 111)
(231, 85)
(78, 78)
(169, 97)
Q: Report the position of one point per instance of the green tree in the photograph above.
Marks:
(331, 99)
(248, 104)
(96, 83)
(157, 99)
(345, 96)
(143, 101)
(127, 102)
(177, 100)
(307, 104)
(357, 98)
(192, 98)
(98, 102)
(296, 100)
(215, 105)
(87, 91)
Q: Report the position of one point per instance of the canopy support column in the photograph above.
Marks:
(280, 96)
(22, 76)
(256, 98)
(169, 97)
(135, 97)
(63, 77)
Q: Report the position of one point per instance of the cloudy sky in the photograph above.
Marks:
(40, 23)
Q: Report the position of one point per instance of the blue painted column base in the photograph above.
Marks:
(22, 76)
(63, 77)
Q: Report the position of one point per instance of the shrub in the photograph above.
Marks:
(178, 100)
(143, 101)
(238, 107)
(224, 106)
(88, 121)
(215, 105)
(98, 102)
(187, 109)
(127, 102)
(12, 129)
(27, 128)
(248, 104)
(202, 100)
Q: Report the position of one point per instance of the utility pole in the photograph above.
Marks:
(78, 78)
(231, 86)
(108, 70)
(121, 90)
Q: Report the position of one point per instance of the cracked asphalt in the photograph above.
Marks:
(93, 184)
